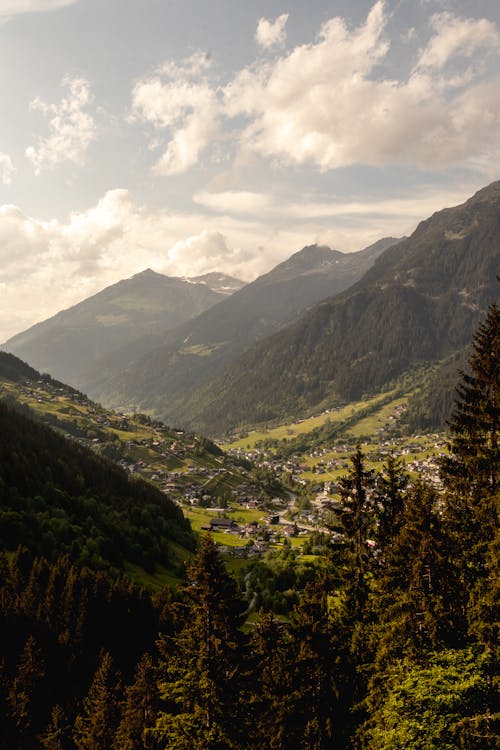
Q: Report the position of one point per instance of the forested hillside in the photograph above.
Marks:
(59, 498)
(418, 304)
(392, 646)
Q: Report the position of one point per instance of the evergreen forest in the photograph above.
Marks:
(392, 645)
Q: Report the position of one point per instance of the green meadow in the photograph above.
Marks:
(336, 416)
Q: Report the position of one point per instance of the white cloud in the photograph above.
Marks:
(49, 265)
(235, 201)
(71, 128)
(311, 207)
(17, 7)
(7, 169)
(327, 104)
(179, 101)
(271, 34)
(461, 37)
(205, 252)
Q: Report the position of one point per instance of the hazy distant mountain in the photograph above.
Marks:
(420, 302)
(71, 344)
(164, 379)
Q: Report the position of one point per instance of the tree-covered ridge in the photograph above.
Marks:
(14, 369)
(60, 498)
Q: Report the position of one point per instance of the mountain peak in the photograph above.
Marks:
(148, 273)
(489, 193)
(311, 256)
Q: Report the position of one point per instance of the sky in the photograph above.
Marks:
(190, 136)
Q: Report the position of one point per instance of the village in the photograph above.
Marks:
(249, 498)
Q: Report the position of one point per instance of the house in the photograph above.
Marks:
(251, 529)
(222, 524)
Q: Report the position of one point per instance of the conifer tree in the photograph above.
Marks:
(358, 520)
(199, 680)
(275, 697)
(475, 464)
(57, 736)
(415, 596)
(139, 709)
(23, 694)
(483, 605)
(96, 725)
(6, 726)
(390, 485)
(471, 476)
(315, 667)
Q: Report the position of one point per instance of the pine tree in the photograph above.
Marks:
(96, 725)
(475, 464)
(416, 592)
(390, 485)
(483, 605)
(275, 698)
(315, 667)
(23, 694)
(471, 476)
(358, 521)
(57, 736)
(199, 680)
(6, 724)
(139, 709)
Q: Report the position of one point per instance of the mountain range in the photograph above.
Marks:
(189, 356)
(72, 344)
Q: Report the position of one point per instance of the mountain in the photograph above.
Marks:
(71, 344)
(419, 303)
(163, 381)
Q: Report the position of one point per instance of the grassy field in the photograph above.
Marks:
(378, 419)
(336, 416)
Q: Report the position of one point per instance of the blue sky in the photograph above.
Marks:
(198, 135)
